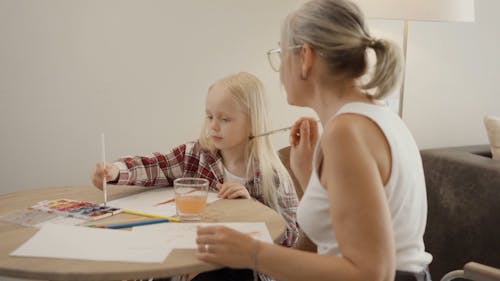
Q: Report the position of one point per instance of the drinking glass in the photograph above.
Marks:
(190, 197)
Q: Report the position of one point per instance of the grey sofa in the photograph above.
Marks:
(463, 190)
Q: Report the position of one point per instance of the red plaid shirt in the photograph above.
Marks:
(191, 160)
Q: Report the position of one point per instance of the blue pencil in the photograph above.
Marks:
(132, 224)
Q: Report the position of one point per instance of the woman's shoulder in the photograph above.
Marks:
(347, 124)
(348, 130)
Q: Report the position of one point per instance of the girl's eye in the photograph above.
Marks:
(225, 119)
(209, 117)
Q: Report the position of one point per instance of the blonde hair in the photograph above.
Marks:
(336, 29)
(248, 91)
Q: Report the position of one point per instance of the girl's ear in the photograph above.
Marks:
(307, 58)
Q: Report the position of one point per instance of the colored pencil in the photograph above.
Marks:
(166, 202)
(132, 224)
(173, 199)
(172, 219)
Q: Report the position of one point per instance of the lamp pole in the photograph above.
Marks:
(402, 90)
(416, 10)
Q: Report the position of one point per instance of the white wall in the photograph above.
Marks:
(136, 70)
(139, 71)
(453, 71)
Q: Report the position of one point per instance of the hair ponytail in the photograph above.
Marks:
(387, 70)
(337, 30)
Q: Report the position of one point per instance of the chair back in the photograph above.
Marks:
(284, 154)
(303, 243)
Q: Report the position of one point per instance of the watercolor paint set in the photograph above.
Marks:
(38, 218)
(78, 209)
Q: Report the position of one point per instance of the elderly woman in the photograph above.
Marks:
(365, 202)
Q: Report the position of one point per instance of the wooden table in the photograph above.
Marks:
(178, 262)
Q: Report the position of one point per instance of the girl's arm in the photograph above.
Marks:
(158, 169)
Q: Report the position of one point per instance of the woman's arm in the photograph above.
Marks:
(235, 249)
(356, 165)
(359, 214)
(303, 139)
(358, 211)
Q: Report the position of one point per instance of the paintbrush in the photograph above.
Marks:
(274, 132)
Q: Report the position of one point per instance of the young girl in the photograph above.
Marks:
(236, 165)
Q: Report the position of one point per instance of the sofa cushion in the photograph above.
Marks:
(492, 125)
(463, 205)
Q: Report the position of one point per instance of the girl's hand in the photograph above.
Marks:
(225, 246)
(110, 172)
(232, 190)
(303, 138)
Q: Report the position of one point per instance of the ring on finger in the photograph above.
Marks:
(207, 247)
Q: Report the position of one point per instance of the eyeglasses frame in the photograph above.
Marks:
(278, 50)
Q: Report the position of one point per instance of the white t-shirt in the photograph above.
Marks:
(228, 176)
(405, 193)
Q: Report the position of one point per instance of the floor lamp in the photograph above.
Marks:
(417, 10)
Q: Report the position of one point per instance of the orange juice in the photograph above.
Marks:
(190, 204)
(190, 197)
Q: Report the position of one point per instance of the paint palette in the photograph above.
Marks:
(77, 209)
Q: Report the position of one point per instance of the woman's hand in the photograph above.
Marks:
(110, 172)
(232, 190)
(303, 138)
(225, 246)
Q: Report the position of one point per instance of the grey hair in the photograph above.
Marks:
(336, 29)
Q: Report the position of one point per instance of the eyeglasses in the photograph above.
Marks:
(274, 57)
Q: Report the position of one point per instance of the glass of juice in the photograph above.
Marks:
(190, 197)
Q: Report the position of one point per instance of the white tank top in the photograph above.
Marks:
(405, 193)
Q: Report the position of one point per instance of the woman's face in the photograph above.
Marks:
(290, 74)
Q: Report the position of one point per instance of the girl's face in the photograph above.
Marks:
(227, 123)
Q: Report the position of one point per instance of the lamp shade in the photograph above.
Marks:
(419, 10)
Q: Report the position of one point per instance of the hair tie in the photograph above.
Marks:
(372, 43)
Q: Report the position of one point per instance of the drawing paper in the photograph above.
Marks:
(183, 235)
(86, 243)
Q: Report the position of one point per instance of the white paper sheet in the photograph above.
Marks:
(85, 243)
(147, 202)
(183, 235)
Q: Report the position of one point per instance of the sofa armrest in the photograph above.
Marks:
(463, 193)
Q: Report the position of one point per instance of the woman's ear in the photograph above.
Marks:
(307, 58)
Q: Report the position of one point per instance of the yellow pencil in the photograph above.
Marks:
(172, 219)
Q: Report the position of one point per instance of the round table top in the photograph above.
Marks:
(180, 261)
